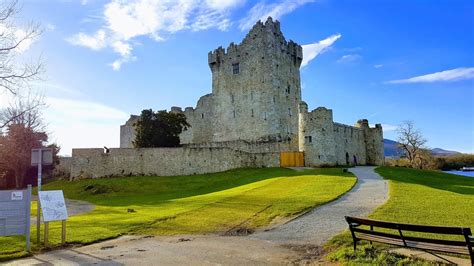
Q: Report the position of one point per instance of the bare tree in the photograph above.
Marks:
(15, 75)
(411, 141)
(24, 110)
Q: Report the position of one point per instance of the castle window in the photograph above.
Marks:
(265, 116)
(308, 139)
(252, 112)
(251, 95)
(289, 111)
(233, 112)
(274, 99)
(232, 98)
(236, 68)
(288, 90)
(202, 116)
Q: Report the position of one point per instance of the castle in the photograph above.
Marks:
(256, 107)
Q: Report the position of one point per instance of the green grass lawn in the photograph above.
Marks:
(418, 197)
(213, 203)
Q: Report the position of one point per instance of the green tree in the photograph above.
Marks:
(15, 149)
(159, 129)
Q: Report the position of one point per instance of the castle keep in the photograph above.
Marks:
(256, 100)
(253, 116)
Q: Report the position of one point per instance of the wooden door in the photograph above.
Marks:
(292, 159)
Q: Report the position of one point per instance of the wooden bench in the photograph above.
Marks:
(424, 243)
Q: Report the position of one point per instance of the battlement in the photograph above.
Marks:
(260, 36)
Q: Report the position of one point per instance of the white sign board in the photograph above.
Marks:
(17, 195)
(46, 156)
(53, 205)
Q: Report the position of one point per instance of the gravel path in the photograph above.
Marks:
(74, 207)
(320, 224)
(295, 242)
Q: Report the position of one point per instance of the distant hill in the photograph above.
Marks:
(391, 149)
(441, 152)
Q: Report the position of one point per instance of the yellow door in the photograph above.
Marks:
(291, 159)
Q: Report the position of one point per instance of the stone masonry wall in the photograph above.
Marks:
(94, 163)
(350, 145)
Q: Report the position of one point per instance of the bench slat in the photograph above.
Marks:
(413, 244)
(412, 227)
(412, 238)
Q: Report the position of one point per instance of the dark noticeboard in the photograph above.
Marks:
(15, 213)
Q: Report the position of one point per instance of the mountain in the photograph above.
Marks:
(441, 152)
(391, 149)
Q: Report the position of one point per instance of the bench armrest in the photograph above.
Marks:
(471, 238)
(354, 224)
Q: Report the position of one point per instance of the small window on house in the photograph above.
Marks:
(236, 68)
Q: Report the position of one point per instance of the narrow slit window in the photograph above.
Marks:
(236, 68)
(202, 116)
(289, 111)
(265, 116)
(252, 112)
(232, 98)
(233, 113)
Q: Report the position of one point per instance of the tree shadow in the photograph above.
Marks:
(150, 190)
(434, 179)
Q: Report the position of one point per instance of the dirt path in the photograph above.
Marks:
(297, 241)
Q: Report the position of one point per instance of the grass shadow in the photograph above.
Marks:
(434, 179)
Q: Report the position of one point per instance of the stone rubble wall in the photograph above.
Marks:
(94, 163)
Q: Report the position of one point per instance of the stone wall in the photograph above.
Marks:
(127, 132)
(350, 145)
(94, 163)
(247, 146)
(328, 143)
(63, 169)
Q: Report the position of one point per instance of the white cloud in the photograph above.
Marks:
(310, 51)
(94, 42)
(462, 73)
(82, 124)
(262, 10)
(18, 34)
(155, 19)
(349, 58)
(224, 4)
(378, 66)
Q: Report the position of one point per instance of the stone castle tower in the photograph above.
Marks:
(257, 83)
(256, 98)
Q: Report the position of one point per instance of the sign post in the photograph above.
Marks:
(54, 209)
(40, 157)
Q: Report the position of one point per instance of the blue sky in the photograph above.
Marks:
(387, 61)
